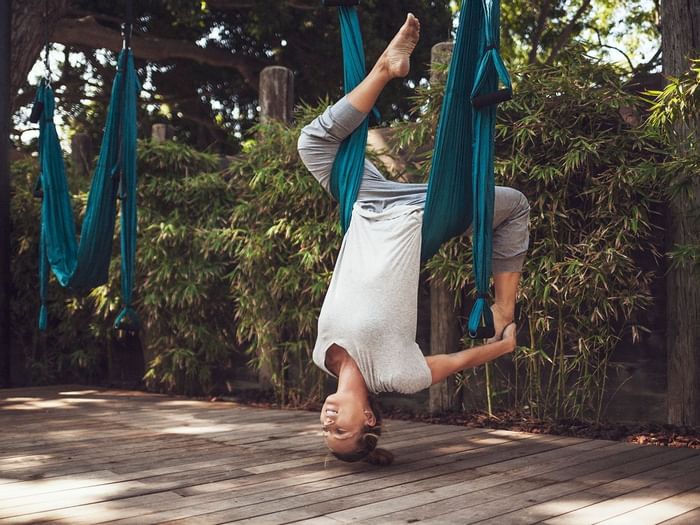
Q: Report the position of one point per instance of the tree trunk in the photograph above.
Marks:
(680, 20)
(28, 34)
(5, 243)
(82, 155)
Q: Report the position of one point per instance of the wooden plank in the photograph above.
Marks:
(138, 504)
(262, 460)
(417, 455)
(631, 460)
(122, 464)
(689, 518)
(320, 520)
(107, 458)
(645, 469)
(401, 482)
(90, 440)
(576, 486)
(660, 511)
(134, 441)
(188, 466)
(337, 503)
(134, 457)
(110, 458)
(420, 457)
(272, 489)
(637, 491)
(408, 441)
(82, 496)
(518, 468)
(97, 408)
(98, 509)
(115, 428)
(257, 461)
(459, 503)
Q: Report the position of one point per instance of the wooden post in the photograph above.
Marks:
(276, 94)
(440, 55)
(444, 324)
(444, 338)
(82, 155)
(161, 132)
(276, 103)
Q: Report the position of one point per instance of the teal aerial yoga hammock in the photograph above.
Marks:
(461, 184)
(82, 267)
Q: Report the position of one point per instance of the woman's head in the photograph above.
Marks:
(351, 428)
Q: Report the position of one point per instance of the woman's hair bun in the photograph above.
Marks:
(380, 456)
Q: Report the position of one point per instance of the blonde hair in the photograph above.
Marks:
(367, 443)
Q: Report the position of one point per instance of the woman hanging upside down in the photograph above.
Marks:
(367, 326)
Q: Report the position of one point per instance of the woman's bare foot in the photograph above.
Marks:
(396, 58)
(509, 337)
(500, 321)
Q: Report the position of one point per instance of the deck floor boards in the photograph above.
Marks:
(82, 455)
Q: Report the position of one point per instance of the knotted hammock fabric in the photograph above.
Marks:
(461, 184)
(85, 265)
(348, 167)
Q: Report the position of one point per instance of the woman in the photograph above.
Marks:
(367, 326)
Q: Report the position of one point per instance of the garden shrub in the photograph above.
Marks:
(287, 237)
(183, 258)
(593, 183)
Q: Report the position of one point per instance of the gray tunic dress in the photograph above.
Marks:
(370, 308)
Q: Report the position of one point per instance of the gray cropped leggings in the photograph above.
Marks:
(318, 145)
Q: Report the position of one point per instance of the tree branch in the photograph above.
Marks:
(74, 12)
(233, 5)
(566, 33)
(651, 64)
(601, 44)
(545, 7)
(86, 32)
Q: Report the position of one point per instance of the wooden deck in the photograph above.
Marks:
(78, 455)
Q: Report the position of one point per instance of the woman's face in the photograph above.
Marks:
(343, 418)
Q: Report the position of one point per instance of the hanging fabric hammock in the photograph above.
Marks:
(461, 184)
(81, 267)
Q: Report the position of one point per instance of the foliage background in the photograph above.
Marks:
(239, 260)
(212, 106)
(183, 260)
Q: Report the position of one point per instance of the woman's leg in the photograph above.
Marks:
(505, 285)
(319, 141)
(395, 62)
(510, 242)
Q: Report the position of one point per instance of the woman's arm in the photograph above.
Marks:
(444, 365)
